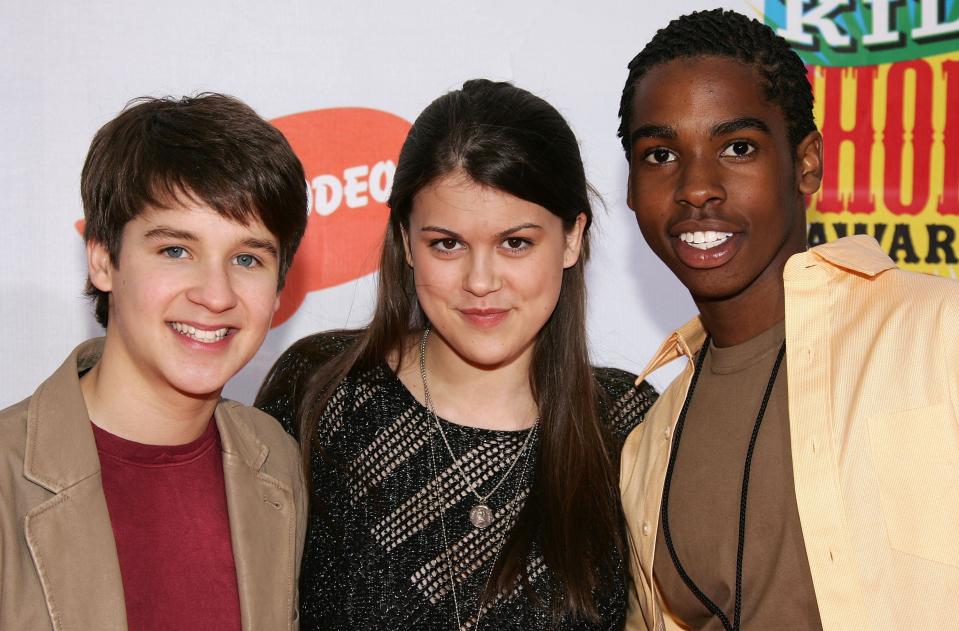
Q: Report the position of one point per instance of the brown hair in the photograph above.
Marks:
(210, 148)
(508, 139)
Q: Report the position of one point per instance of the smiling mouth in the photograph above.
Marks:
(485, 318)
(704, 240)
(201, 335)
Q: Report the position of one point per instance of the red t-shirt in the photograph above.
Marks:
(168, 510)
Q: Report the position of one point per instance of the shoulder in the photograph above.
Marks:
(263, 429)
(312, 351)
(13, 416)
(623, 402)
(925, 300)
(292, 374)
(13, 433)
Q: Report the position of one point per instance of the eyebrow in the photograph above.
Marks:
(259, 244)
(156, 234)
(163, 232)
(719, 129)
(499, 235)
(738, 124)
(652, 131)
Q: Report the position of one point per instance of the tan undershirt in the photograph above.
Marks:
(777, 590)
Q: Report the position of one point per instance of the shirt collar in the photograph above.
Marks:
(859, 253)
(684, 341)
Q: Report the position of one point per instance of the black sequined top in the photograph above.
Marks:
(378, 551)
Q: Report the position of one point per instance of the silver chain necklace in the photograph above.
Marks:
(446, 546)
(480, 515)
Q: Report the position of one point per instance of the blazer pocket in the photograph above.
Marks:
(916, 456)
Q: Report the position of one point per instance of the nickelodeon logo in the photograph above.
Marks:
(349, 156)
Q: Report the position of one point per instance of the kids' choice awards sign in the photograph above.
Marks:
(885, 74)
(349, 155)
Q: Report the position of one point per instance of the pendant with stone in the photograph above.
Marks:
(481, 516)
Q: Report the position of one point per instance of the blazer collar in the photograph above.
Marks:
(70, 533)
(60, 449)
(236, 436)
(258, 503)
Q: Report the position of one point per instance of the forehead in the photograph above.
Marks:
(463, 204)
(199, 220)
(688, 93)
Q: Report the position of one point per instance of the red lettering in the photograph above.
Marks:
(861, 136)
(894, 138)
(949, 202)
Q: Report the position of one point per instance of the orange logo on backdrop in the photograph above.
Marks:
(349, 155)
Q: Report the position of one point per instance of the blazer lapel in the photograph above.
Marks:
(69, 535)
(262, 526)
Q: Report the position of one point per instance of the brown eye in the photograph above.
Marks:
(446, 246)
(739, 149)
(659, 155)
(514, 245)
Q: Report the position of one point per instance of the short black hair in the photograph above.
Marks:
(723, 33)
(210, 148)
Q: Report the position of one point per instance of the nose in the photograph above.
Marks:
(213, 289)
(700, 183)
(481, 276)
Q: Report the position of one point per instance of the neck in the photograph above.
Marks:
(732, 322)
(739, 318)
(133, 409)
(491, 397)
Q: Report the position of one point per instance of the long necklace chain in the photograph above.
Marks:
(446, 547)
(481, 515)
(664, 514)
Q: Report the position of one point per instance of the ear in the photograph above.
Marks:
(99, 266)
(406, 246)
(276, 303)
(629, 187)
(809, 163)
(574, 241)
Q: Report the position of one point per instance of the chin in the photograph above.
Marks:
(202, 385)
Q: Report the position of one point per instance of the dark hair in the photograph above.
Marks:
(503, 137)
(722, 33)
(210, 148)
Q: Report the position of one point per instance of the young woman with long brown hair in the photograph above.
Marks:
(462, 451)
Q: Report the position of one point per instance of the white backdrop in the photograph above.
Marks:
(68, 67)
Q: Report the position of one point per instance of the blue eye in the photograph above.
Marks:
(246, 260)
(174, 252)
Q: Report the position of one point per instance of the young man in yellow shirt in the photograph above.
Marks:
(803, 471)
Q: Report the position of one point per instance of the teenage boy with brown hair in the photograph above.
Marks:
(133, 496)
(801, 473)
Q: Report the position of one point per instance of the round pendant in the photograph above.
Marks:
(481, 516)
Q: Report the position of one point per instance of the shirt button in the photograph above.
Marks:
(645, 528)
(666, 433)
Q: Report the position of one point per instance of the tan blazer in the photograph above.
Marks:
(873, 369)
(58, 559)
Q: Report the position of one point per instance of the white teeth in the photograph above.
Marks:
(704, 240)
(207, 337)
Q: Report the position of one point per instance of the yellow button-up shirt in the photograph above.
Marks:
(873, 357)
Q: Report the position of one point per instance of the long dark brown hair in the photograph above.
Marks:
(506, 138)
